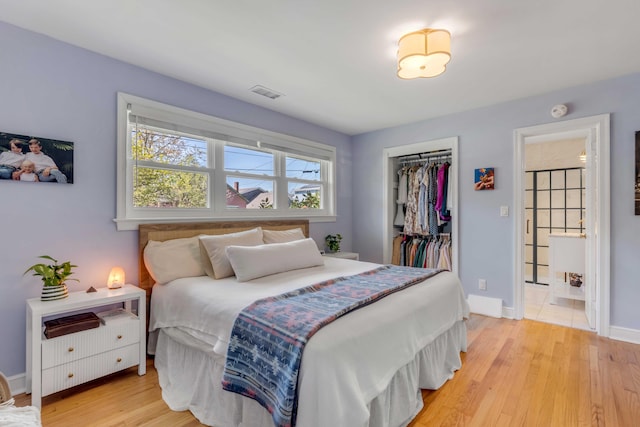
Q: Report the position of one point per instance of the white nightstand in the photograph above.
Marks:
(68, 360)
(344, 255)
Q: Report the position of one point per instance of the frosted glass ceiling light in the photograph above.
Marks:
(423, 53)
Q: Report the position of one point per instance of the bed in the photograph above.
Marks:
(364, 369)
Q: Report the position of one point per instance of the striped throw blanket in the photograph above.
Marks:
(268, 337)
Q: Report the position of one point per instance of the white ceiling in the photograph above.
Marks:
(334, 60)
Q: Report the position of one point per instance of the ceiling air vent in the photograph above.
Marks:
(261, 90)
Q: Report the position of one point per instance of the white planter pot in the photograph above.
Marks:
(51, 293)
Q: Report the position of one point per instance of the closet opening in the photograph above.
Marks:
(421, 199)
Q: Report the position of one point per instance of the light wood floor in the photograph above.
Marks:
(515, 373)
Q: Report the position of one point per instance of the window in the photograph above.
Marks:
(175, 164)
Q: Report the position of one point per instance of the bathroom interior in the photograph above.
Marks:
(556, 205)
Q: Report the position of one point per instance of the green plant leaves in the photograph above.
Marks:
(52, 274)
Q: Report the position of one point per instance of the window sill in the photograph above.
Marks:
(132, 224)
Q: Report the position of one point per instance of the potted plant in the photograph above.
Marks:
(54, 277)
(333, 242)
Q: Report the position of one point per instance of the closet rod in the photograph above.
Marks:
(425, 159)
(419, 157)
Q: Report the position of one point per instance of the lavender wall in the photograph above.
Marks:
(58, 91)
(55, 90)
(486, 140)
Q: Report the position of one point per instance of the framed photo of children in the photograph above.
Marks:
(484, 179)
(34, 159)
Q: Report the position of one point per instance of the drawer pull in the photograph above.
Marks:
(119, 337)
(70, 349)
(119, 359)
(70, 375)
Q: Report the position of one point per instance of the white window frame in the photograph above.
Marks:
(129, 217)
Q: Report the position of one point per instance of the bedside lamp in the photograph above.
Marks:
(116, 278)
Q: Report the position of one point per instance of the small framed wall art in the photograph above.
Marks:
(484, 179)
(33, 159)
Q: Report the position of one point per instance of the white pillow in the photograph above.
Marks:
(215, 246)
(282, 236)
(173, 259)
(257, 261)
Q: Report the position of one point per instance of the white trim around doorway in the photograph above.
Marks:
(596, 131)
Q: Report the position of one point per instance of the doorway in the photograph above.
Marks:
(554, 203)
(594, 131)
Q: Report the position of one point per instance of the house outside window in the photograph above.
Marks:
(179, 165)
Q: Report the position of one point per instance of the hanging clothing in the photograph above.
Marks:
(403, 249)
(411, 217)
(402, 185)
(424, 192)
(423, 179)
(399, 218)
(444, 260)
(424, 252)
(441, 205)
(395, 254)
(433, 191)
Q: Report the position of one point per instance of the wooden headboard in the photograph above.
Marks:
(176, 230)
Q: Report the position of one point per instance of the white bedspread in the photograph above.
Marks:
(348, 362)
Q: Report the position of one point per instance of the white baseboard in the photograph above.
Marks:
(485, 305)
(624, 334)
(17, 383)
(508, 312)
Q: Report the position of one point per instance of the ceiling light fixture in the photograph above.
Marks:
(423, 53)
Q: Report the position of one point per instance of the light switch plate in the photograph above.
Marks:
(504, 210)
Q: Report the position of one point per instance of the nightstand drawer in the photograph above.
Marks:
(67, 348)
(83, 370)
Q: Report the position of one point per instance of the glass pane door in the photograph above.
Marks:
(554, 203)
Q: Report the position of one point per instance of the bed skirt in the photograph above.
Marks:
(191, 380)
